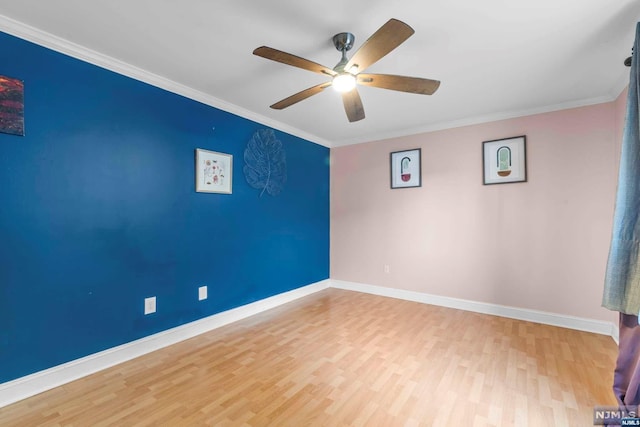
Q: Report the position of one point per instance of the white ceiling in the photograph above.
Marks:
(496, 58)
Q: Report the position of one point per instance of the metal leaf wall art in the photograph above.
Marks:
(265, 162)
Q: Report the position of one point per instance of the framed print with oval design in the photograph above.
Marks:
(406, 171)
(504, 160)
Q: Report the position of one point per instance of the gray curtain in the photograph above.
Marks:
(622, 280)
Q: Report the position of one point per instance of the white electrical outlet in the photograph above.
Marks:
(386, 268)
(202, 293)
(149, 305)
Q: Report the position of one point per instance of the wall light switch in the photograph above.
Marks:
(202, 293)
(150, 305)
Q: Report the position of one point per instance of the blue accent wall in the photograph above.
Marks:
(98, 210)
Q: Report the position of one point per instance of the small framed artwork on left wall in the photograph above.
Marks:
(11, 106)
(214, 172)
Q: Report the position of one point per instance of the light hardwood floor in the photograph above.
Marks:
(341, 358)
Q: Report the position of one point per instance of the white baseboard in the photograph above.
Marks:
(561, 320)
(30, 385)
(615, 333)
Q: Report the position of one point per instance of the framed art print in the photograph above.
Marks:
(11, 106)
(214, 172)
(406, 171)
(505, 160)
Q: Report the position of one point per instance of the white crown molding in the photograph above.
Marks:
(561, 320)
(30, 385)
(58, 44)
(477, 120)
(621, 84)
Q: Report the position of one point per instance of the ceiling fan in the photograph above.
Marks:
(349, 72)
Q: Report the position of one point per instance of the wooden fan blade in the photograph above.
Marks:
(289, 59)
(353, 105)
(400, 83)
(297, 97)
(388, 37)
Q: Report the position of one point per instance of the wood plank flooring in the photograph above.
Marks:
(341, 358)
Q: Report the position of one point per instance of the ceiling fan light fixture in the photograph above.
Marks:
(344, 82)
(350, 72)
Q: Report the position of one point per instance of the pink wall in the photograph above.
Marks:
(539, 245)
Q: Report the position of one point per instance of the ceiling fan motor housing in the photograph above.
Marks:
(343, 41)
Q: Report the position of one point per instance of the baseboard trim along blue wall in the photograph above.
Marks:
(98, 211)
(39, 382)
